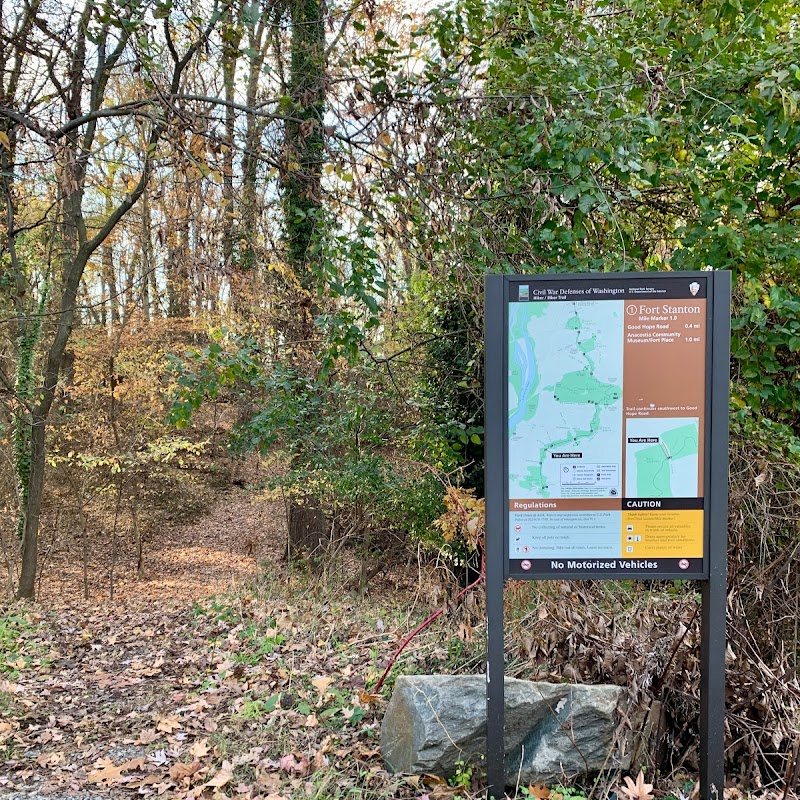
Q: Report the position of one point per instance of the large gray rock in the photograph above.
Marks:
(553, 731)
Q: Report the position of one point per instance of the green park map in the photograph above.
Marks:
(565, 398)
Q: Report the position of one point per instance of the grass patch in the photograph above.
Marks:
(13, 628)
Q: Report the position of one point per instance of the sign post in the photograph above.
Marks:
(606, 453)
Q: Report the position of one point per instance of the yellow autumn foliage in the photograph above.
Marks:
(465, 518)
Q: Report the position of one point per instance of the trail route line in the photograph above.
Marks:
(565, 399)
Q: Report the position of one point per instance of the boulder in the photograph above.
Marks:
(553, 731)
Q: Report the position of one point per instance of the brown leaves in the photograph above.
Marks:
(368, 699)
(290, 764)
(168, 724)
(224, 775)
(180, 770)
(108, 773)
(638, 790)
(148, 736)
(321, 684)
(200, 749)
(141, 690)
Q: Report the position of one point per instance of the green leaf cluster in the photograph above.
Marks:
(619, 136)
(351, 441)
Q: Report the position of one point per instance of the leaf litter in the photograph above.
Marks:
(161, 695)
(176, 690)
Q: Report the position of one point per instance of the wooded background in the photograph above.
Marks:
(271, 219)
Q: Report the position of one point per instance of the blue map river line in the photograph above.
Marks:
(524, 357)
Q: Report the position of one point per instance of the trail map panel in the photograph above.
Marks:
(565, 399)
(606, 408)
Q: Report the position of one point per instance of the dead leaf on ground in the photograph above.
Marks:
(180, 770)
(222, 777)
(168, 724)
(148, 736)
(290, 764)
(638, 790)
(200, 748)
(369, 699)
(109, 773)
(433, 780)
(539, 790)
(210, 724)
(321, 683)
(446, 791)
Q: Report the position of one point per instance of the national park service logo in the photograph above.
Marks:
(694, 288)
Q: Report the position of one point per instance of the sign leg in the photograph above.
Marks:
(714, 590)
(712, 691)
(496, 515)
(495, 689)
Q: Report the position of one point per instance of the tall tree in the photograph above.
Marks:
(303, 156)
(80, 49)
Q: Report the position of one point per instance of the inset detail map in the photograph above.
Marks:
(565, 399)
(661, 458)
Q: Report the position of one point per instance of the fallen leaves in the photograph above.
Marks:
(223, 776)
(200, 749)
(108, 772)
(638, 790)
(368, 699)
(148, 736)
(289, 763)
(180, 770)
(140, 691)
(168, 724)
(321, 684)
(9, 687)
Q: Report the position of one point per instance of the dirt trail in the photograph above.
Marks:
(183, 563)
(97, 682)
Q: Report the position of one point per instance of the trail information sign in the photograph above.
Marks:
(606, 451)
(606, 425)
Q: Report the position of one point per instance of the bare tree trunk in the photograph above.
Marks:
(137, 532)
(127, 298)
(109, 276)
(232, 36)
(30, 536)
(146, 251)
(179, 254)
(257, 42)
(85, 547)
(155, 294)
(112, 565)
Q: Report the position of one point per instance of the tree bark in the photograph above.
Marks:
(109, 272)
(301, 179)
(304, 155)
(231, 37)
(147, 260)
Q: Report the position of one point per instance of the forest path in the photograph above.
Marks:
(181, 688)
(94, 693)
(183, 562)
